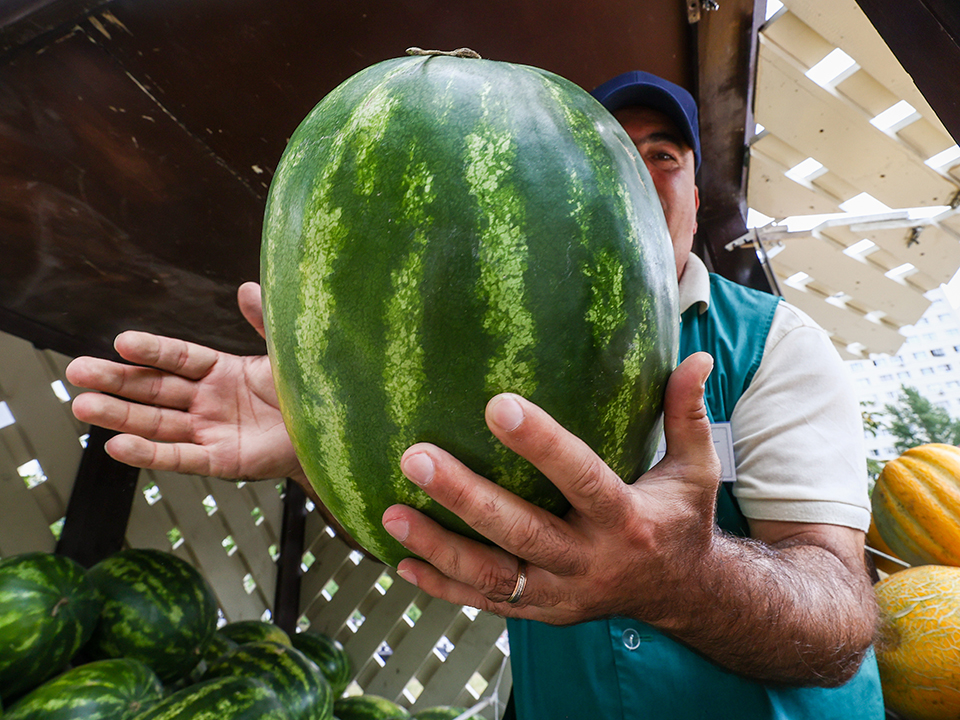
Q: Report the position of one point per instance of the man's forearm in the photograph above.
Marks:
(792, 614)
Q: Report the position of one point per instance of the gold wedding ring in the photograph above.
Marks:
(521, 583)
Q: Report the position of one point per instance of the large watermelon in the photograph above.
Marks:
(48, 609)
(297, 681)
(118, 689)
(231, 698)
(157, 608)
(442, 229)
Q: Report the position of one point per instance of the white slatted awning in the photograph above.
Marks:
(844, 133)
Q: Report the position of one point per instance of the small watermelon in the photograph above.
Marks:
(157, 609)
(244, 631)
(297, 681)
(230, 698)
(117, 689)
(443, 229)
(369, 707)
(329, 655)
(48, 609)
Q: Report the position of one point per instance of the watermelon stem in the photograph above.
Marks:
(60, 603)
(459, 52)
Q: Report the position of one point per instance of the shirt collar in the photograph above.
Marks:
(694, 285)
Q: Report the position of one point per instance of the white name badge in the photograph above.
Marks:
(723, 442)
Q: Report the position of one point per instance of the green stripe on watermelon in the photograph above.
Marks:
(118, 689)
(403, 374)
(329, 655)
(157, 609)
(368, 707)
(440, 230)
(221, 699)
(296, 679)
(48, 609)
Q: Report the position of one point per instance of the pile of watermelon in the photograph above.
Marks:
(135, 637)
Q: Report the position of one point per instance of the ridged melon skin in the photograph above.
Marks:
(118, 689)
(230, 698)
(157, 609)
(297, 681)
(443, 229)
(48, 609)
(329, 655)
(916, 505)
(919, 649)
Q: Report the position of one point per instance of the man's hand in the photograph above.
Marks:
(188, 408)
(798, 610)
(603, 557)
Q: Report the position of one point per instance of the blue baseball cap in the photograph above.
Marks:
(641, 89)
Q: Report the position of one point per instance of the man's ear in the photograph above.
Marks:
(696, 205)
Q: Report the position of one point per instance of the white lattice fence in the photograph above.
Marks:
(228, 532)
(39, 448)
(403, 644)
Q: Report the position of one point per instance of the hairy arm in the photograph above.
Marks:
(797, 609)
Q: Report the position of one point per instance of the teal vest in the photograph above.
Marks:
(622, 669)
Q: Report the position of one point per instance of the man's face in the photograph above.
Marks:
(673, 168)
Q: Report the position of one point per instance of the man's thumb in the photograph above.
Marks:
(686, 424)
(251, 306)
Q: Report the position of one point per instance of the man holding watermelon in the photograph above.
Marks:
(633, 604)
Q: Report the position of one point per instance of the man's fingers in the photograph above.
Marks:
(577, 471)
(170, 354)
(138, 452)
(486, 570)
(251, 305)
(150, 422)
(495, 513)
(141, 384)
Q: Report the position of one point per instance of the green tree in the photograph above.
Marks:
(872, 425)
(914, 420)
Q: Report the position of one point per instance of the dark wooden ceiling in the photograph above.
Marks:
(138, 137)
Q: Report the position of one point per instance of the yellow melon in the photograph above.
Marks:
(875, 541)
(919, 648)
(916, 505)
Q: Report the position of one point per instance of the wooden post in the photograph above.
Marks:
(286, 604)
(726, 49)
(96, 520)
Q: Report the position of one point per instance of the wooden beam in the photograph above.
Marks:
(23, 21)
(99, 507)
(925, 37)
(726, 49)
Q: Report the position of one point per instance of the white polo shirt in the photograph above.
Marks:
(797, 430)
